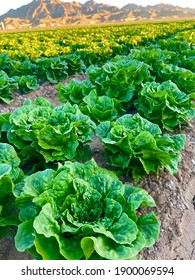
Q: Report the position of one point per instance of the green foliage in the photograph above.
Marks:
(4, 59)
(109, 90)
(74, 92)
(6, 84)
(20, 68)
(53, 55)
(99, 108)
(71, 210)
(154, 56)
(82, 211)
(9, 174)
(95, 44)
(51, 69)
(26, 83)
(74, 62)
(169, 63)
(120, 79)
(42, 133)
(57, 69)
(134, 144)
(183, 78)
(165, 104)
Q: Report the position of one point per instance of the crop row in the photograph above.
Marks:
(166, 59)
(26, 76)
(92, 43)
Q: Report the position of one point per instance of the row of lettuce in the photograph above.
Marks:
(26, 75)
(53, 195)
(160, 64)
(92, 43)
(159, 44)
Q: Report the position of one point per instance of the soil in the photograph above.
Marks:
(174, 194)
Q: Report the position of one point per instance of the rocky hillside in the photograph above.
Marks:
(53, 13)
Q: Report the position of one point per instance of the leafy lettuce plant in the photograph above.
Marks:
(82, 211)
(51, 69)
(183, 78)
(6, 84)
(42, 133)
(154, 56)
(165, 104)
(99, 108)
(4, 60)
(74, 92)
(26, 83)
(74, 62)
(20, 68)
(134, 144)
(188, 61)
(111, 87)
(119, 79)
(10, 173)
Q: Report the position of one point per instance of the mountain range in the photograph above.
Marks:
(55, 13)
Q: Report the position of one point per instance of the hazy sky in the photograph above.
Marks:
(6, 5)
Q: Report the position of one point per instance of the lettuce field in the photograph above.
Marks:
(97, 157)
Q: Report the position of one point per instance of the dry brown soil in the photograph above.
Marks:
(174, 194)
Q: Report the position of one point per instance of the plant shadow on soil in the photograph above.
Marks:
(174, 194)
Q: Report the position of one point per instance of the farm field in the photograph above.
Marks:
(124, 96)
